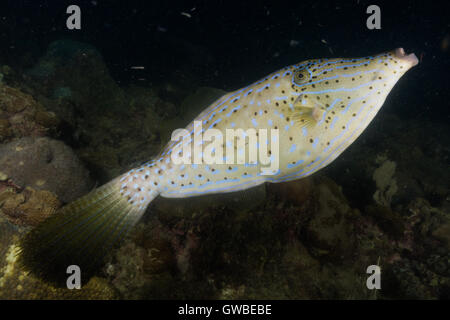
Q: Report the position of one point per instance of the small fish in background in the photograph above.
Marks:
(319, 108)
(186, 14)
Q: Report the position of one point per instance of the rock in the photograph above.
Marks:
(45, 164)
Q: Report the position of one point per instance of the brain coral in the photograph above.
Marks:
(45, 164)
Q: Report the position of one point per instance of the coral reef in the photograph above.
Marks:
(22, 116)
(17, 284)
(29, 207)
(385, 182)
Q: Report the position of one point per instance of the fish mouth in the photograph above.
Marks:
(409, 58)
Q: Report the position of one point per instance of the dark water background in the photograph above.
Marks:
(228, 44)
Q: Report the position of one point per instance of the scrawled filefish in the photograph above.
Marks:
(298, 120)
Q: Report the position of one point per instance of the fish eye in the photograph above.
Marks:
(301, 76)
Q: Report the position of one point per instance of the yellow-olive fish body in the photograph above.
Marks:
(299, 119)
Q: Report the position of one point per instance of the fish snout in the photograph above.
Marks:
(410, 59)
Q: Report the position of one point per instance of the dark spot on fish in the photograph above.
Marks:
(311, 140)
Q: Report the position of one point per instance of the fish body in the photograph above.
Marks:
(319, 107)
(298, 120)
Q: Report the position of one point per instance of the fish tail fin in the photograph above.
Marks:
(83, 232)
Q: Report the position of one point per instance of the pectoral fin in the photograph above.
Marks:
(307, 113)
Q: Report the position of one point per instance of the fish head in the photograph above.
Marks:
(344, 94)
